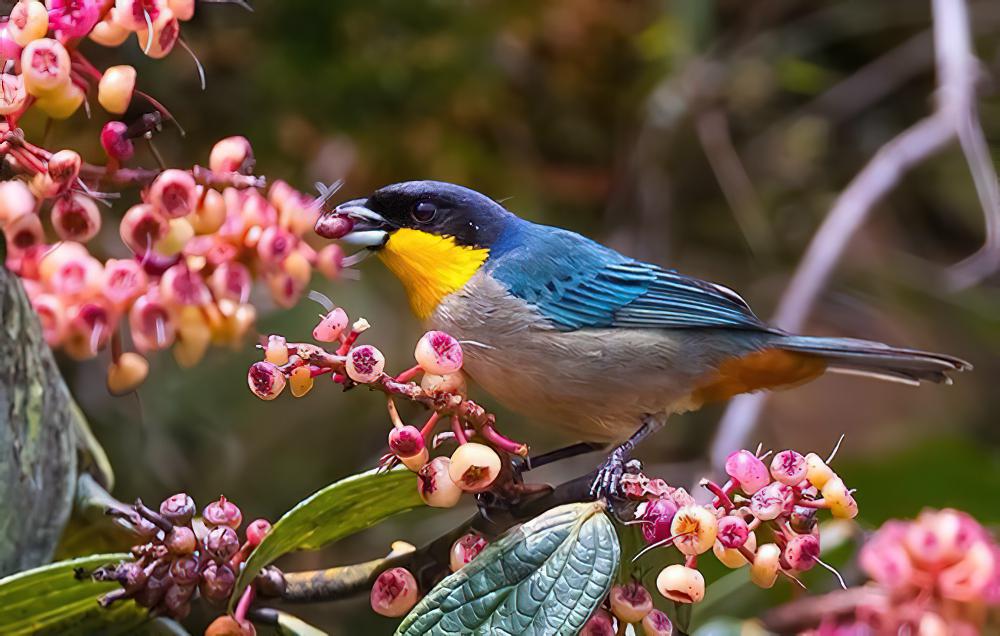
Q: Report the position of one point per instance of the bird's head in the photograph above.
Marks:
(433, 236)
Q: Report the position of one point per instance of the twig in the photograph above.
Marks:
(910, 148)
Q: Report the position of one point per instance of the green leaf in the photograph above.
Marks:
(545, 577)
(340, 509)
(51, 600)
(289, 625)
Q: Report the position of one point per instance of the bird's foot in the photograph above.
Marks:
(607, 482)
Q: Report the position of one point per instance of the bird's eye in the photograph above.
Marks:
(424, 212)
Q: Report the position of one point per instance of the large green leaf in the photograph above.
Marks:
(340, 509)
(545, 577)
(51, 600)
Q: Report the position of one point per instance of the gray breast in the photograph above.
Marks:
(596, 383)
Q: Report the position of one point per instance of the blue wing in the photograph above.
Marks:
(577, 283)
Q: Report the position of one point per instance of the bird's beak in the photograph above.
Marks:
(355, 224)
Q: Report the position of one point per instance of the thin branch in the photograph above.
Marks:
(915, 145)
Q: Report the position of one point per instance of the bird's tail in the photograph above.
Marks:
(864, 357)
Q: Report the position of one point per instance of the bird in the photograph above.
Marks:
(571, 333)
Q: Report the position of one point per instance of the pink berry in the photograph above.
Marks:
(63, 168)
(733, 532)
(394, 593)
(174, 193)
(127, 373)
(772, 501)
(75, 217)
(747, 471)
(231, 281)
(45, 66)
(474, 467)
(599, 624)
(657, 623)
(681, 584)
(23, 233)
(695, 528)
(406, 442)
(180, 286)
(257, 530)
(630, 602)
(435, 486)
(16, 200)
(329, 260)
(331, 326)
(275, 245)
(115, 141)
(141, 227)
(232, 154)
(801, 552)
(788, 467)
(178, 509)
(438, 353)
(161, 40)
(52, 314)
(29, 20)
(73, 18)
(657, 516)
(222, 512)
(265, 380)
(333, 226)
(365, 364)
(150, 323)
(465, 549)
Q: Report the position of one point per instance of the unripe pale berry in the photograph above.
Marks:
(222, 512)
(75, 217)
(210, 213)
(657, 517)
(801, 552)
(114, 91)
(764, 570)
(142, 227)
(45, 66)
(599, 624)
(365, 364)
(276, 350)
(747, 471)
(732, 557)
(126, 373)
(161, 40)
(29, 20)
(330, 260)
(15, 200)
(474, 467)
(681, 584)
(839, 499)
(331, 326)
(193, 336)
(75, 277)
(788, 467)
(181, 540)
(657, 623)
(62, 102)
(174, 193)
(265, 380)
(448, 383)
(115, 141)
(178, 235)
(817, 472)
(300, 381)
(435, 486)
(394, 593)
(695, 529)
(232, 154)
(439, 353)
(257, 530)
(109, 33)
(12, 94)
(630, 602)
(465, 549)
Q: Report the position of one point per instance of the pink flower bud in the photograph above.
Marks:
(599, 624)
(657, 623)
(75, 217)
(772, 501)
(221, 543)
(232, 154)
(331, 326)
(174, 193)
(474, 467)
(435, 486)
(801, 552)
(967, 580)
(12, 94)
(150, 323)
(657, 517)
(45, 66)
(71, 272)
(465, 549)
(115, 141)
(329, 260)
(231, 281)
(29, 20)
(142, 227)
(681, 584)
(394, 593)
(747, 471)
(630, 602)
(180, 285)
(161, 40)
(438, 353)
(265, 380)
(695, 528)
(365, 364)
(217, 582)
(211, 213)
(114, 91)
(181, 540)
(73, 18)
(256, 531)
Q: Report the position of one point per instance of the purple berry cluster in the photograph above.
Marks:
(183, 557)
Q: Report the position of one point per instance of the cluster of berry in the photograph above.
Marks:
(395, 590)
(782, 499)
(937, 574)
(473, 467)
(184, 557)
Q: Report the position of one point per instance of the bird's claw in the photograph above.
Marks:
(607, 482)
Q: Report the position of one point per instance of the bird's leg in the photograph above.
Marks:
(608, 479)
(573, 450)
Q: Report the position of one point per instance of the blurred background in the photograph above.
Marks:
(706, 135)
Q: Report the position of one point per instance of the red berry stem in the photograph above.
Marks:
(409, 374)
(243, 606)
(429, 425)
(721, 496)
(458, 430)
(494, 437)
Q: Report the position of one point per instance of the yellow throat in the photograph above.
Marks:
(429, 266)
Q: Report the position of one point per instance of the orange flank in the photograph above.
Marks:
(767, 369)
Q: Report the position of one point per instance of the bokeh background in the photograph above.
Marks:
(620, 119)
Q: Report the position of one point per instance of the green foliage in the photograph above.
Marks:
(340, 509)
(289, 625)
(545, 577)
(52, 600)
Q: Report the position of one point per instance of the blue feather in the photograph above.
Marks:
(576, 283)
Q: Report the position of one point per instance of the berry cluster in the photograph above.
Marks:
(395, 590)
(473, 467)
(184, 557)
(782, 499)
(628, 604)
(938, 574)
